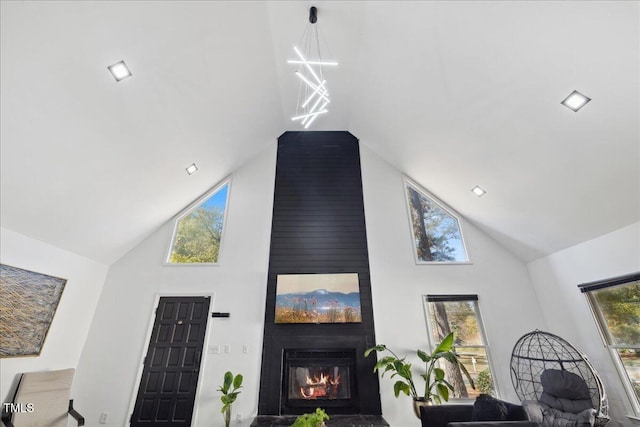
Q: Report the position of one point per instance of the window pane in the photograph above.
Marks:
(477, 364)
(620, 308)
(631, 361)
(198, 234)
(460, 317)
(436, 232)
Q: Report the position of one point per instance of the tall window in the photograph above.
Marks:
(459, 314)
(198, 231)
(616, 306)
(435, 229)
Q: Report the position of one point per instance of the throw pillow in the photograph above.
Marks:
(488, 408)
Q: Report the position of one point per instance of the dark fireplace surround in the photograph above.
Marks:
(318, 227)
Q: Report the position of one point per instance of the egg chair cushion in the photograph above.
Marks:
(546, 416)
(565, 391)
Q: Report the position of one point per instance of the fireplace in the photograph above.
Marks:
(319, 378)
(318, 227)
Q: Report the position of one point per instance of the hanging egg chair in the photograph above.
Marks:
(541, 352)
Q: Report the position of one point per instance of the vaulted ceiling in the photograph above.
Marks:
(452, 93)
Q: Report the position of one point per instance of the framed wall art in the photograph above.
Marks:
(28, 302)
(318, 298)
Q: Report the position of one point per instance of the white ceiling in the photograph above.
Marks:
(452, 93)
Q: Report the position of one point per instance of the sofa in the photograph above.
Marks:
(485, 412)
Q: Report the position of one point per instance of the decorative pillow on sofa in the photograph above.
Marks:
(488, 408)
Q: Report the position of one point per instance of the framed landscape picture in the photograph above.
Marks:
(28, 302)
(318, 298)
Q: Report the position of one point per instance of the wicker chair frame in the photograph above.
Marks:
(538, 351)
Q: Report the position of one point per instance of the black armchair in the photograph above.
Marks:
(486, 412)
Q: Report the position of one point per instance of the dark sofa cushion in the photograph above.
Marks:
(488, 408)
(441, 415)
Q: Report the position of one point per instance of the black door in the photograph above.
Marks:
(167, 389)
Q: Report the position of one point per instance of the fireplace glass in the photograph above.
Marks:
(319, 382)
(315, 378)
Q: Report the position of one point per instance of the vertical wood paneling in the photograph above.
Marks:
(318, 227)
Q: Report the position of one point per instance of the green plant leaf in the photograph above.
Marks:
(228, 379)
(228, 397)
(237, 381)
(449, 356)
(466, 373)
(423, 356)
(448, 384)
(379, 347)
(443, 391)
(439, 373)
(401, 386)
(445, 344)
(403, 369)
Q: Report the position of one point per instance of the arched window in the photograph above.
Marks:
(197, 235)
(434, 228)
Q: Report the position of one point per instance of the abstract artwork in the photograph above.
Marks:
(28, 302)
(318, 298)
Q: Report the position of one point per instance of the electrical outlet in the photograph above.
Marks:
(227, 348)
(238, 417)
(245, 349)
(103, 417)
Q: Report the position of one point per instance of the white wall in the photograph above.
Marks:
(107, 375)
(108, 369)
(508, 305)
(70, 325)
(555, 279)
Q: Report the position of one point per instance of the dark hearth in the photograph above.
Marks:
(335, 421)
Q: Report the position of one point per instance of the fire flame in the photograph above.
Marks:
(323, 386)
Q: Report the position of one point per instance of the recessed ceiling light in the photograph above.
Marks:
(478, 191)
(120, 71)
(575, 100)
(192, 168)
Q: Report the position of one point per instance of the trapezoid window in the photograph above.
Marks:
(434, 229)
(198, 231)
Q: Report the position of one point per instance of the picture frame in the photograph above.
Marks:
(28, 303)
(318, 298)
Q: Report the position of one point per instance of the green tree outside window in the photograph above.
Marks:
(199, 232)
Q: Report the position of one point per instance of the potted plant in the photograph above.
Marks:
(229, 394)
(314, 419)
(436, 386)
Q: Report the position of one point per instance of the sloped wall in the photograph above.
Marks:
(107, 375)
(106, 378)
(68, 332)
(508, 305)
(556, 279)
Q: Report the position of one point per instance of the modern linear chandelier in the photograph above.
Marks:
(313, 95)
